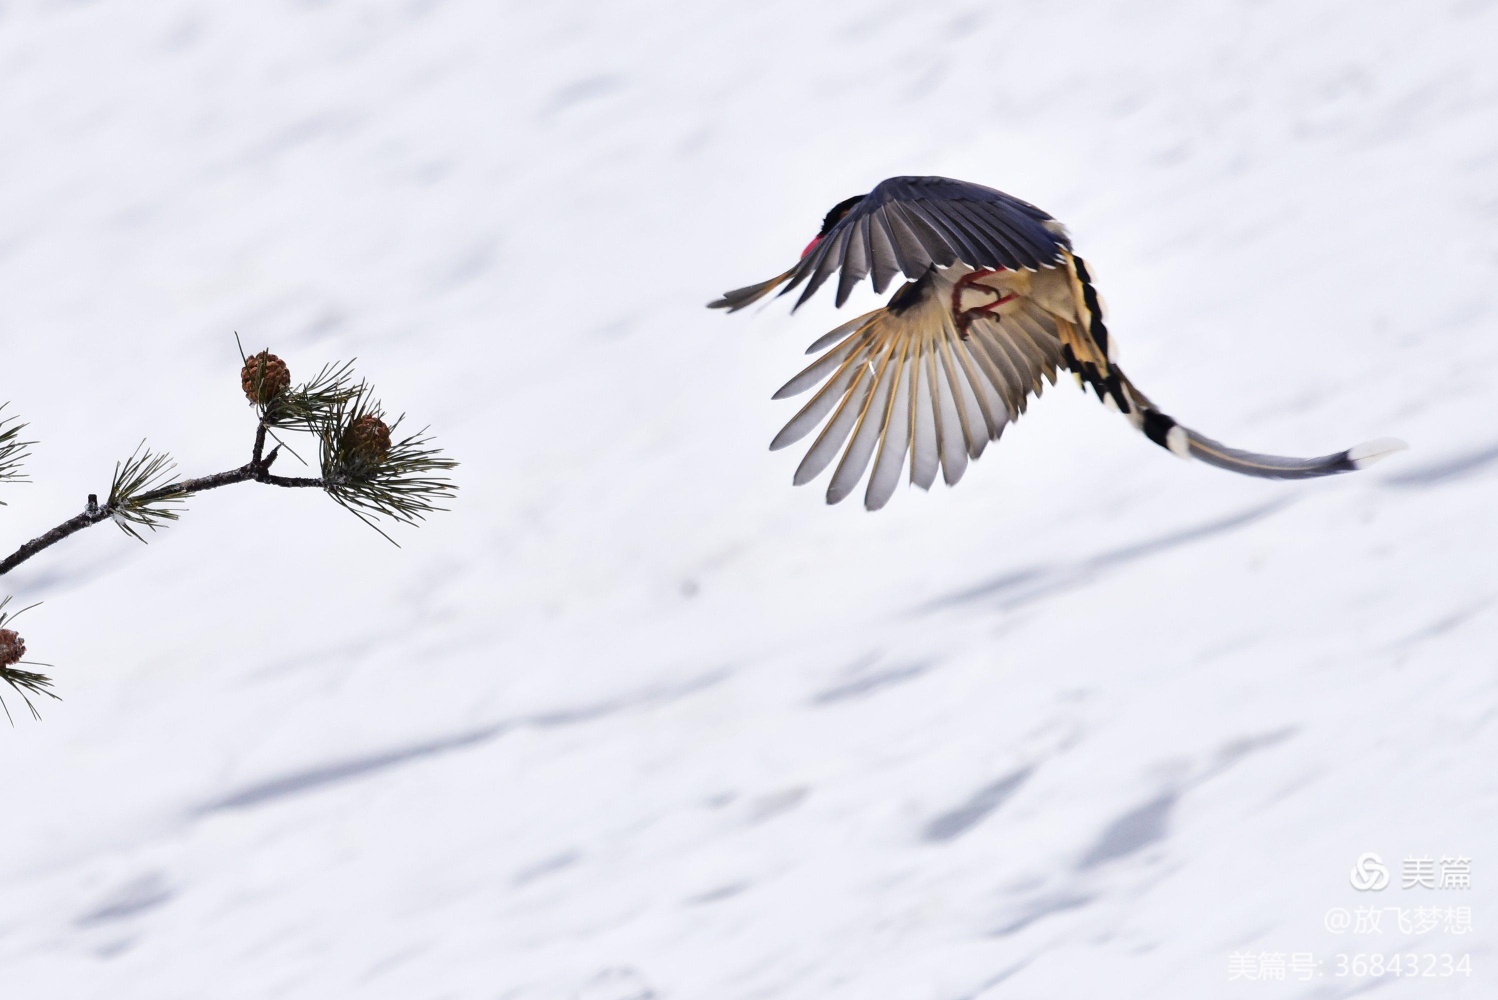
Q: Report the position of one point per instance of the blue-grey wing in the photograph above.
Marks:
(907, 224)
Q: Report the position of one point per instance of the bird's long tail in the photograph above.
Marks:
(1187, 443)
(1086, 350)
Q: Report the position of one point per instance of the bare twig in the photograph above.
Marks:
(125, 506)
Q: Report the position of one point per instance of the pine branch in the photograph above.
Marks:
(361, 469)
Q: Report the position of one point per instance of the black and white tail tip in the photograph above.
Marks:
(1189, 444)
(1186, 443)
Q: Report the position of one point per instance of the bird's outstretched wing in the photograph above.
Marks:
(907, 382)
(940, 371)
(906, 224)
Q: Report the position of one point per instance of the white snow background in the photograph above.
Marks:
(637, 719)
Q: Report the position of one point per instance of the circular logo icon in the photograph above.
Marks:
(1370, 874)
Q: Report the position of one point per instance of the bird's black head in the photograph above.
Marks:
(839, 212)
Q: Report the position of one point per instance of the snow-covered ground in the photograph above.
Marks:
(637, 719)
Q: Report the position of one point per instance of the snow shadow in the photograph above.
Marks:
(338, 772)
(1025, 586)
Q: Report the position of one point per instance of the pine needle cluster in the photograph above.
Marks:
(135, 497)
(13, 450)
(372, 471)
(26, 683)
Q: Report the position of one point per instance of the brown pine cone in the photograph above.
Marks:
(12, 648)
(366, 441)
(264, 377)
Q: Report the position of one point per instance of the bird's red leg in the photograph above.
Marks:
(964, 317)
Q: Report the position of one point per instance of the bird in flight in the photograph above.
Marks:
(996, 303)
